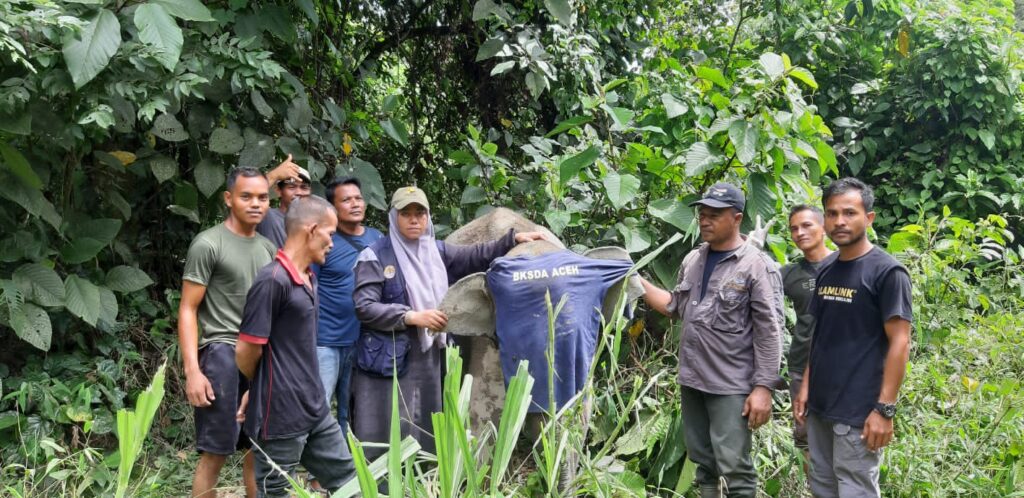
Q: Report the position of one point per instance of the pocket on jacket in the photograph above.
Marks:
(732, 309)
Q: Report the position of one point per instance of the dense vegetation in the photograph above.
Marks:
(118, 121)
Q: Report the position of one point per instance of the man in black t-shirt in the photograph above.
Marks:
(859, 351)
(287, 414)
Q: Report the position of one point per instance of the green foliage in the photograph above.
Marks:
(133, 427)
(118, 123)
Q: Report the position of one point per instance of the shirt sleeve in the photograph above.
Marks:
(464, 260)
(261, 305)
(766, 310)
(200, 262)
(894, 297)
(370, 308)
(681, 293)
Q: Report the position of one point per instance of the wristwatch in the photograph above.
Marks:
(887, 410)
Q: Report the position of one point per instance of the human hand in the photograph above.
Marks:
(758, 407)
(529, 237)
(198, 390)
(800, 403)
(434, 320)
(240, 414)
(287, 170)
(759, 234)
(877, 432)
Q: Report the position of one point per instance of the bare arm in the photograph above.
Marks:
(197, 387)
(656, 297)
(800, 403)
(247, 356)
(878, 430)
(898, 331)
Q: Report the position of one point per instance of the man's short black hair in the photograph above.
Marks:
(245, 171)
(337, 182)
(844, 185)
(807, 207)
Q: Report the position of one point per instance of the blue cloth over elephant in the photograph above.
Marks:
(518, 286)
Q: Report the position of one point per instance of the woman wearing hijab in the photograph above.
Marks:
(400, 282)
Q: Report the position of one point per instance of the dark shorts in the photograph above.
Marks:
(217, 431)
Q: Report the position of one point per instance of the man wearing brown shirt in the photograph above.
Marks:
(729, 299)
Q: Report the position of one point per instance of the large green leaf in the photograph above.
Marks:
(47, 287)
(699, 159)
(309, 8)
(167, 127)
(713, 75)
(826, 157)
(473, 195)
(743, 135)
(32, 324)
(557, 220)
(163, 167)
(189, 10)
(761, 197)
(209, 177)
(621, 188)
(81, 250)
(300, 115)
(773, 65)
(677, 213)
(83, 299)
(562, 10)
(19, 166)
(226, 141)
(158, 30)
(30, 200)
(127, 279)
(568, 124)
(570, 166)
(396, 129)
(101, 229)
(108, 306)
(621, 116)
(88, 52)
(673, 107)
(635, 238)
(258, 151)
(805, 76)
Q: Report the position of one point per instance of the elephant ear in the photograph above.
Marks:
(634, 289)
(469, 307)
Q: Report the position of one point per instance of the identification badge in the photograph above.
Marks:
(389, 272)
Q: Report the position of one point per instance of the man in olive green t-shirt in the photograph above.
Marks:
(221, 265)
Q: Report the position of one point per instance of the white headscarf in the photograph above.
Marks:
(426, 278)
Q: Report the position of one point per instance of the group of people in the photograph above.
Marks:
(284, 309)
(278, 314)
(847, 356)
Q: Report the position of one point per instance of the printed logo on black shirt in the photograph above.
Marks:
(834, 293)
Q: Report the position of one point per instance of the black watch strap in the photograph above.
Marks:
(887, 410)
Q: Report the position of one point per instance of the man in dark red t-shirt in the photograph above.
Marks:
(287, 414)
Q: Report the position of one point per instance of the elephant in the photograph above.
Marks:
(472, 314)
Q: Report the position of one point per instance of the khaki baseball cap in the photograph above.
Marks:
(409, 195)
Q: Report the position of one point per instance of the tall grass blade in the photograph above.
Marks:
(395, 484)
(367, 484)
(133, 427)
(513, 415)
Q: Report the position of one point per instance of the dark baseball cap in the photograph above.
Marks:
(723, 195)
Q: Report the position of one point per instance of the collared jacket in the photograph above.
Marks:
(731, 341)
